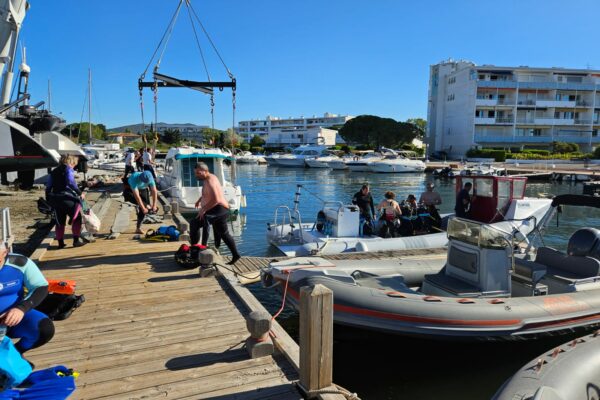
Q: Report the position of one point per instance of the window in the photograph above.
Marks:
(484, 187)
(491, 114)
(481, 77)
(595, 133)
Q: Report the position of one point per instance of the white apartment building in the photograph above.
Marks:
(492, 106)
(297, 137)
(248, 129)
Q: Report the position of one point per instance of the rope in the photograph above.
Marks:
(189, 4)
(284, 296)
(198, 43)
(333, 389)
(236, 271)
(173, 19)
(317, 197)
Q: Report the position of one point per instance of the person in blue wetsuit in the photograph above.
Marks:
(139, 183)
(17, 312)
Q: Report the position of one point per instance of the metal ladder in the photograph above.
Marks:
(288, 217)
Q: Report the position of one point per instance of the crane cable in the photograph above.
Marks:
(166, 35)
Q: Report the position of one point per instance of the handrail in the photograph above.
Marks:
(7, 236)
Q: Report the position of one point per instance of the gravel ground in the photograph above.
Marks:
(29, 226)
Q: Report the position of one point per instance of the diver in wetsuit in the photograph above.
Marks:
(17, 312)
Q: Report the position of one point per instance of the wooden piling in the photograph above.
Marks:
(316, 338)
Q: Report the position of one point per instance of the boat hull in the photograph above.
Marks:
(371, 298)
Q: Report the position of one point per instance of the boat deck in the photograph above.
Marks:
(150, 329)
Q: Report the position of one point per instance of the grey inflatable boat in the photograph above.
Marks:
(483, 292)
(568, 372)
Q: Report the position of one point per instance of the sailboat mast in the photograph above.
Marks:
(90, 104)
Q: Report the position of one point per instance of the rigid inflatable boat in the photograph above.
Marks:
(339, 228)
(483, 292)
(567, 372)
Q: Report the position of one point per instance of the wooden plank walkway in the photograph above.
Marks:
(149, 329)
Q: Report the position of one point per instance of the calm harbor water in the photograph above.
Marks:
(382, 366)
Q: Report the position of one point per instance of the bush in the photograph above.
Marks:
(497, 155)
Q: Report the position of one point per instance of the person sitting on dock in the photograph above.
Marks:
(64, 196)
(17, 309)
(431, 199)
(140, 183)
(390, 211)
(214, 210)
(364, 201)
(463, 201)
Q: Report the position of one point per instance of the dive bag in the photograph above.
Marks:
(163, 234)
(188, 256)
(61, 300)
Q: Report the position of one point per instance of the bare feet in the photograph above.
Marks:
(140, 231)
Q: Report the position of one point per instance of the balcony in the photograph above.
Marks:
(486, 102)
(555, 103)
(485, 121)
(582, 121)
(494, 121)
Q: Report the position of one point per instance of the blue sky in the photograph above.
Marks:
(290, 57)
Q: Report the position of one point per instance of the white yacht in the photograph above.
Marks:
(339, 163)
(361, 164)
(179, 183)
(297, 158)
(322, 161)
(397, 163)
(246, 157)
(339, 228)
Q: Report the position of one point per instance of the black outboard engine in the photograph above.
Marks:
(321, 220)
(585, 242)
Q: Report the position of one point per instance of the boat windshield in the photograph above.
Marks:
(188, 177)
(479, 234)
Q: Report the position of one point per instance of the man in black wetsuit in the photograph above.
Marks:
(364, 201)
(463, 201)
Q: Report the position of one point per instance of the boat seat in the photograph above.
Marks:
(566, 267)
(442, 284)
(393, 282)
(528, 274)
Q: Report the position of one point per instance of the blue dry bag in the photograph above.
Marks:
(13, 368)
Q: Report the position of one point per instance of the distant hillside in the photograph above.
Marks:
(137, 128)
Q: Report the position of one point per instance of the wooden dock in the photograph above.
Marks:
(149, 329)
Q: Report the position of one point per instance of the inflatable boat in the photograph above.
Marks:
(484, 291)
(339, 228)
(568, 372)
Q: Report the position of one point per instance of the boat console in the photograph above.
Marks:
(478, 265)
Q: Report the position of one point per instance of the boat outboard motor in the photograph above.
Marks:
(585, 242)
(321, 220)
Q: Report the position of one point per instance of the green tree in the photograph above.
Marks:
(420, 123)
(256, 141)
(374, 132)
(245, 146)
(172, 136)
(81, 131)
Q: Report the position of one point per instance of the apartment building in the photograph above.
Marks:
(492, 106)
(248, 129)
(296, 137)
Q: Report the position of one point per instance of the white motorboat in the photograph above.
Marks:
(482, 169)
(323, 161)
(246, 157)
(397, 163)
(297, 158)
(361, 164)
(339, 163)
(339, 228)
(180, 184)
(271, 159)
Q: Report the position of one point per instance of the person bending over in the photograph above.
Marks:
(22, 288)
(140, 183)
